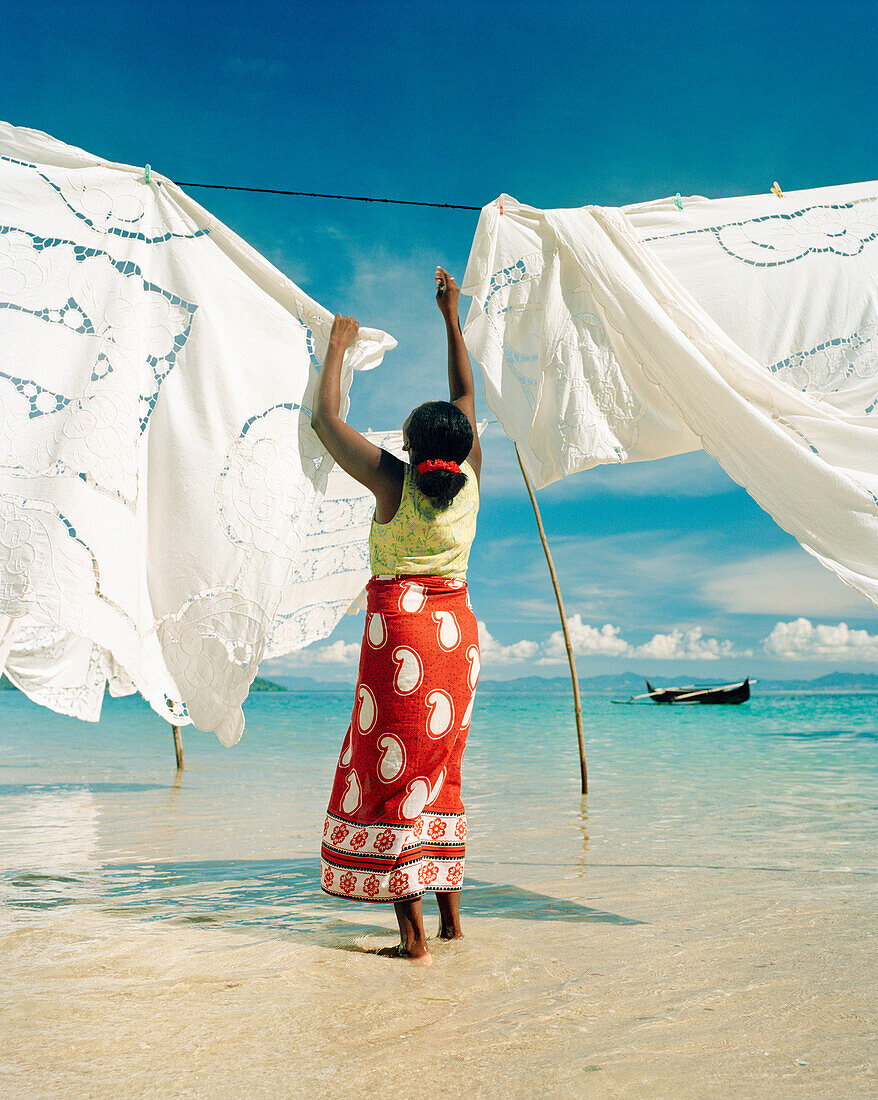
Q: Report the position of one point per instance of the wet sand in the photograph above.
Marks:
(723, 989)
(662, 939)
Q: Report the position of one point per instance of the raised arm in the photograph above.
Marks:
(373, 467)
(460, 375)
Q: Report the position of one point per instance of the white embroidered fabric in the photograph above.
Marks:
(746, 326)
(160, 484)
(57, 669)
(70, 674)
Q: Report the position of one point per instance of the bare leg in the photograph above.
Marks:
(412, 939)
(449, 914)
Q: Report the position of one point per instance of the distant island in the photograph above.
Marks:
(266, 685)
(633, 683)
(630, 683)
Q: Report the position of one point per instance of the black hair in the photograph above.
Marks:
(439, 429)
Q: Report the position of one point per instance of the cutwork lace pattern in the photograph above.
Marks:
(842, 364)
(334, 559)
(118, 203)
(40, 646)
(91, 334)
(262, 497)
(599, 410)
(44, 562)
(596, 409)
(132, 331)
(508, 308)
(775, 239)
(773, 371)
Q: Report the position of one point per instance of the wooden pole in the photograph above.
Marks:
(577, 702)
(178, 747)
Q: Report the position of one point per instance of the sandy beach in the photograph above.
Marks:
(774, 1004)
(683, 937)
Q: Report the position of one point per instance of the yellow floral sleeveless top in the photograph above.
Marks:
(421, 541)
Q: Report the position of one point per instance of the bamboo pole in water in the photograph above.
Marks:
(178, 747)
(577, 702)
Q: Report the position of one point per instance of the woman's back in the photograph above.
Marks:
(422, 541)
(395, 825)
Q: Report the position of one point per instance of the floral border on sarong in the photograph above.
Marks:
(383, 861)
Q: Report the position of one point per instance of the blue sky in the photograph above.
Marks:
(558, 104)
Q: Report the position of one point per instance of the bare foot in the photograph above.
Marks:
(418, 953)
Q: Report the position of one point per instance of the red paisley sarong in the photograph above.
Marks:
(396, 826)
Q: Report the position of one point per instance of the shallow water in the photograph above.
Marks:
(699, 925)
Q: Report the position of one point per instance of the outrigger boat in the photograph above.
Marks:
(721, 693)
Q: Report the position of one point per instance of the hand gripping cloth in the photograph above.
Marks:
(746, 326)
(160, 484)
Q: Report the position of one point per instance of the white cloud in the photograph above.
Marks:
(331, 653)
(688, 645)
(494, 653)
(787, 582)
(588, 641)
(337, 653)
(605, 641)
(801, 640)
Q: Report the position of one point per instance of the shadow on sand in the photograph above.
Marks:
(278, 894)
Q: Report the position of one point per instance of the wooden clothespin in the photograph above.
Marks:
(775, 190)
(678, 200)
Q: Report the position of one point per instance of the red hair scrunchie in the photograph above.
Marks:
(431, 464)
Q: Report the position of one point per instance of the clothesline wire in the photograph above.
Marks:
(318, 195)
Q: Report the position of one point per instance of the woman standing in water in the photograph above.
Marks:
(395, 827)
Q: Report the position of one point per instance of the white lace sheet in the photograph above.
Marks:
(158, 473)
(69, 674)
(743, 326)
(60, 670)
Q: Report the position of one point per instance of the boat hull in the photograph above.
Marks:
(730, 694)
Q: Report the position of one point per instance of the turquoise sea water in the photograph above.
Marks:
(95, 815)
(697, 926)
